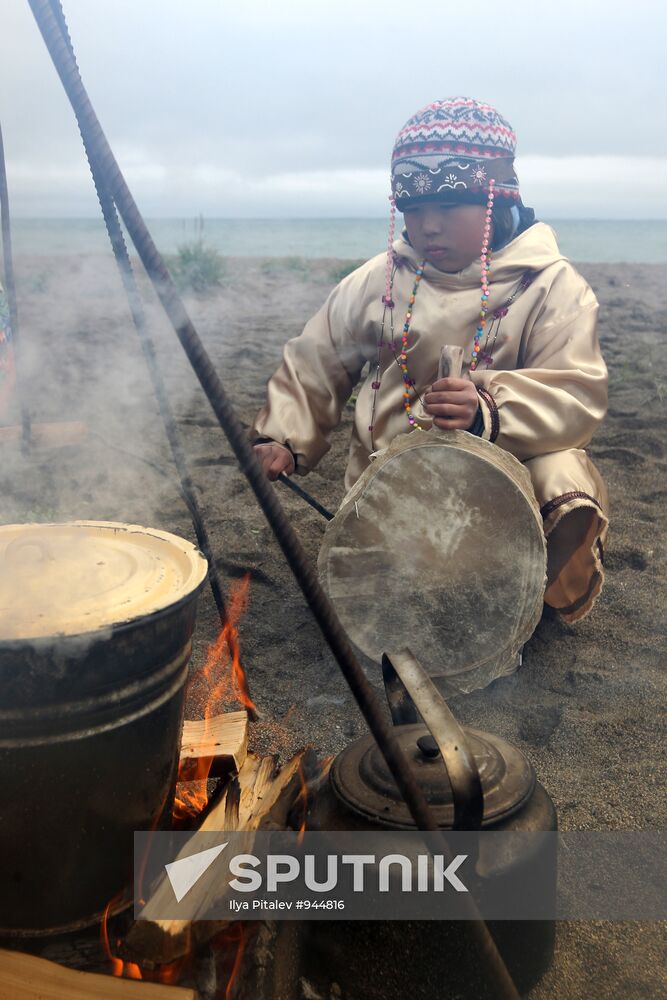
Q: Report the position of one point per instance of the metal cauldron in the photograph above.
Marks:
(90, 719)
(472, 780)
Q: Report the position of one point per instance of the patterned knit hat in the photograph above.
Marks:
(452, 148)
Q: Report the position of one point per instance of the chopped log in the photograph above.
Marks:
(222, 739)
(256, 799)
(27, 977)
(55, 435)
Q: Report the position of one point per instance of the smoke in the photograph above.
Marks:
(79, 359)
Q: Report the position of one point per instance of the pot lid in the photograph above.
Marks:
(68, 579)
(361, 778)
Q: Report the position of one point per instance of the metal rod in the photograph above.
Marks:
(300, 492)
(10, 285)
(188, 489)
(217, 396)
(500, 981)
(208, 377)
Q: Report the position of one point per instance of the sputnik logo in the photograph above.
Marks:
(185, 872)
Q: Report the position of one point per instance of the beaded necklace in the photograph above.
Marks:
(388, 303)
(485, 264)
(401, 358)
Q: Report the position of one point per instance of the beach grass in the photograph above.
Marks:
(197, 268)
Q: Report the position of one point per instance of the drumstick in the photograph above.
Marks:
(300, 492)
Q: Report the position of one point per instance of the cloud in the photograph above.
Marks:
(264, 108)
(620, 187)
(557, 187)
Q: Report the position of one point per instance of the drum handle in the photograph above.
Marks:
(451, 362)
(414, 698)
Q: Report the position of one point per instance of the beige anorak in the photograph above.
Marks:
(542, 397)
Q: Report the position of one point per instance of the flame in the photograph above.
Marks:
(226, 683)
(237, 962)
(168, 975)
(237, 933)
(230, 682)
(302, 798)
(127, 970)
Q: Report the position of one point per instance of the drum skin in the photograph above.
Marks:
(439, 546)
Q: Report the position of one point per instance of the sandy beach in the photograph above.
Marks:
(587, 707)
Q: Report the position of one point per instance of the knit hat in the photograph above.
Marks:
(452, 148)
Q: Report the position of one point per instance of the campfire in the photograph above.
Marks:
(221, 785)
(213, 739)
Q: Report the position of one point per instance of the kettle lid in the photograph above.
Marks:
(362, 781)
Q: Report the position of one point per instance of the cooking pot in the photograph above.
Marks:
(96, 621)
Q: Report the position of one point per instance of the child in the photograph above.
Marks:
(472, 268)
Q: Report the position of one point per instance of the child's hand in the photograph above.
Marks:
(275, 459)
(452, 402)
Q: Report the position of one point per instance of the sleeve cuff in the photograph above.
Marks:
(477, 427)
(489, 410)
(281, 444)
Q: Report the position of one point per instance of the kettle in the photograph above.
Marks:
(472, 780)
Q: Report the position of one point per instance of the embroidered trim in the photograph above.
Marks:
(557, 502)
(491, 403)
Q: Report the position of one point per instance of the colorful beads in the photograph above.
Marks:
(387, 314)
(408, 382)
(485, 267)
(386, 298)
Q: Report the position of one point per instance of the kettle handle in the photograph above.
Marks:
(413, 697)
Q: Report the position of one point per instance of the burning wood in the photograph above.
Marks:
(26, 977)
(252, 795)
(257, 798)
(221, 741)
(216, 744)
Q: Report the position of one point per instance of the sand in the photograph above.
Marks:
(586, 707)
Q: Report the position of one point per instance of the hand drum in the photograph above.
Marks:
(439, 546)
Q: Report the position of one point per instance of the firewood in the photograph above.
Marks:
(257, 798)
(55, 435)
(222, 739)
(27, 977)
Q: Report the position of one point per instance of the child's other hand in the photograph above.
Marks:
(452, 402)
(275, 459)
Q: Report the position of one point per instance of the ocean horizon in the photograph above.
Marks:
(594, 240)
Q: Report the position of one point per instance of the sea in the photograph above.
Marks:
(351, 239)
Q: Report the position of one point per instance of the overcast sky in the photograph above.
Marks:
(290, 107)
